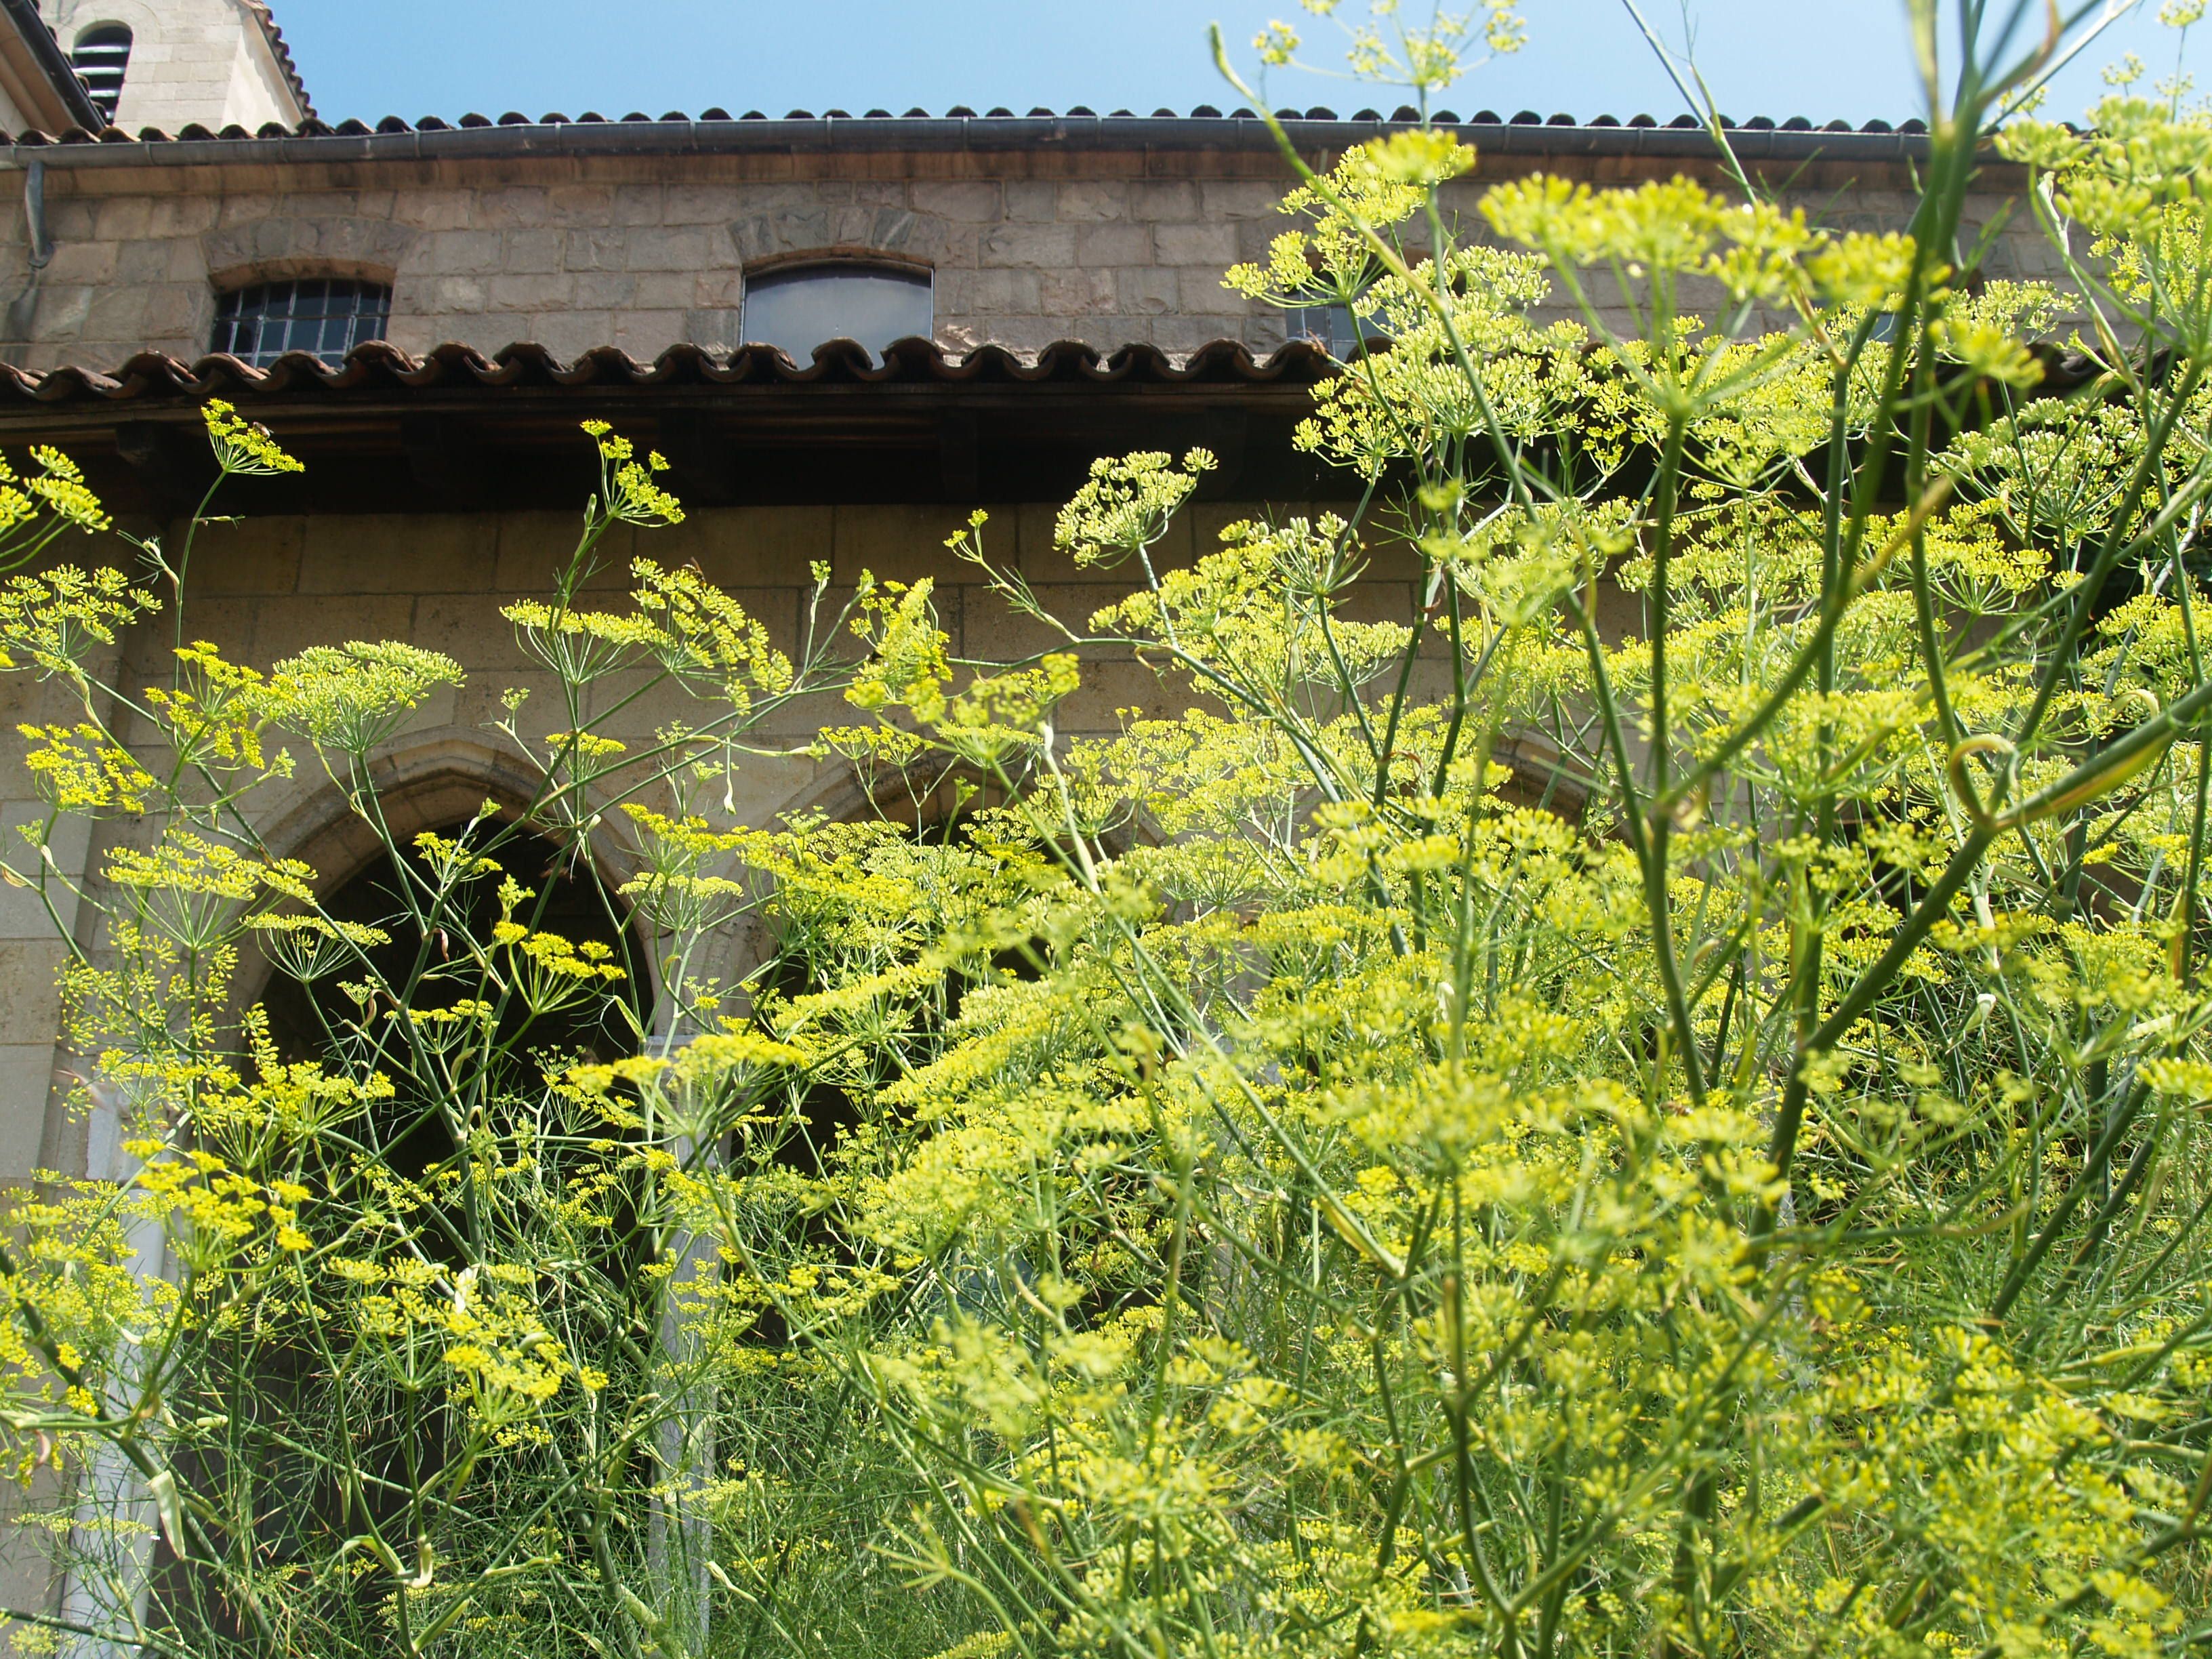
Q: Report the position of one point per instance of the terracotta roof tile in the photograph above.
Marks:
(382, 369)
(716, 128)
(377, 366)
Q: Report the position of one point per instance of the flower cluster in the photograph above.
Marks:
(78, 768)
(58, 620)
(627, 485)
(350, 698)
(1126, 504)
(35, 509)
(242, 448)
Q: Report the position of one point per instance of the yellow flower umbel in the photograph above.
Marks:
(350, 698)
(628, 487)
(244, 449)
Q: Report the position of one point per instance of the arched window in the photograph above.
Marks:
(572, 903)
(799, 307)
(102, 54)
(328, 316)
(274, 1494)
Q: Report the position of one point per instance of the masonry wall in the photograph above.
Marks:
(266, 587)
(1027, 248)
(1107, 247)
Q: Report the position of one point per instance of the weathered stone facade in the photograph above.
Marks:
(641, 235)
(645, 239)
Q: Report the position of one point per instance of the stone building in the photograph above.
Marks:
(423, 312)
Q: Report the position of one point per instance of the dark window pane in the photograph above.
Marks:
(327, 316)
(800, 309)
(1335, 328)
(100, 57)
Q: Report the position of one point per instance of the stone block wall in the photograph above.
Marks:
(32, 948)
(265, 587)
(1109, 248)
(644, 252)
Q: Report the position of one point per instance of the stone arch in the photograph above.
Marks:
(848, 791)
(429, 782)
(805, 228)
(434, 780)
(101, 54)
(799, 259)
(426, 786)
(143, 18)
(278, 248)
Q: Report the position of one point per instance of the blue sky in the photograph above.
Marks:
(1823, 59)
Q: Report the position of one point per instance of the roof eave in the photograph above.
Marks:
(378, 368)
(814, 134)
(454, 430)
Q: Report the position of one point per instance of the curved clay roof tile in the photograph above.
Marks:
(378, 366)
(312, 127)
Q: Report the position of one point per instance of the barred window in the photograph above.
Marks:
(102, 54)
(327, 316)
(799, 307)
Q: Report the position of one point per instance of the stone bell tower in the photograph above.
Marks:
(173, 64)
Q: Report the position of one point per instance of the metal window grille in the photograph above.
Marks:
(102, 55)
(326, 316)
